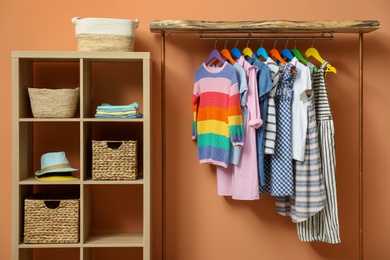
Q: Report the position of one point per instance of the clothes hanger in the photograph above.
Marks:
(247, 51)
(235, 52)
(261, 52)
(215, 57)
(299, 56)
(274, 53)
(286, 53)
(313, 52)
(226, 54)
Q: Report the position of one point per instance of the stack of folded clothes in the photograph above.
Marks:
(106, 110)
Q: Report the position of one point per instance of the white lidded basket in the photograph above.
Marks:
(105, 34)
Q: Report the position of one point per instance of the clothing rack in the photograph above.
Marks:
(279, 27)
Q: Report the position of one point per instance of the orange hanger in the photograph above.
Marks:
(274, 53)
(226, 54)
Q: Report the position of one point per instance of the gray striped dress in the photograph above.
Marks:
(324, 226)
(309, 190)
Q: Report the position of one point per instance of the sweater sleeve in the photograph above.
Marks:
(195, 106)
(254, 116)
(236, 126)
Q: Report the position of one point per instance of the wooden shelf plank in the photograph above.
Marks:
(115, 240)
(32, 181)
(138, 181)
(23, 245)
(266, 26)
(76, 56)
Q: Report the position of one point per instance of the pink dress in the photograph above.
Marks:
(241, 180)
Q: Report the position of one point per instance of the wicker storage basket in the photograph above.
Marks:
(53, 102)
(49, 220)
(105, 34)
(114, 160)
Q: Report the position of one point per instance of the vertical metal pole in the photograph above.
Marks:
(163, 163)
(361, 145)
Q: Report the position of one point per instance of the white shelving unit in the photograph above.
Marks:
(98, 75)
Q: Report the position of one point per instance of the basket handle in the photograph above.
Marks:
(136, 23)
(114, 145)
(52, 204)
(75, 19)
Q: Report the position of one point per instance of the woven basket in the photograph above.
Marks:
(114, 160)
(53, 102)
(105, 34)
(51, 221)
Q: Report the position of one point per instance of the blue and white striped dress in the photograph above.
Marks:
(309, 190)
(324, 226)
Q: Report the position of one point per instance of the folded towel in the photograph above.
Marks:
(121, 113)
(139, 115)
(108, 107)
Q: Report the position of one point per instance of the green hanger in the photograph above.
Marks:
(299, 56)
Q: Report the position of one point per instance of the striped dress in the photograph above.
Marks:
(309, 190)
(217, 115)
(324, 226)
(270, 130)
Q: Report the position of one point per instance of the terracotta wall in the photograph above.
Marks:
(200, 224)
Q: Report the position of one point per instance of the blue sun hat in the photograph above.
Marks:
(52, 163)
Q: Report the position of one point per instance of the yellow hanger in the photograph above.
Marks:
(314, 52)
(247, 51)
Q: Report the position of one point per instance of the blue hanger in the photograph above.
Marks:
(235, 52)
(286, 53)
(261, 52)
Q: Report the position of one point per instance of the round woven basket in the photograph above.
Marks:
(53, 102)
(105, 34)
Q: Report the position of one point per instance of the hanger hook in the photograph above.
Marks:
(247, 43)
(276, 40)
(225, 43)
(285, 46)
(312, 43)
(295, 42)
(262, 40)
(215, 44)
(236, 43)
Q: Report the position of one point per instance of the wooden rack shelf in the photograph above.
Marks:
(270, 26)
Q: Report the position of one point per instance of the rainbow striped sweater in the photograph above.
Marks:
(217, 112)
